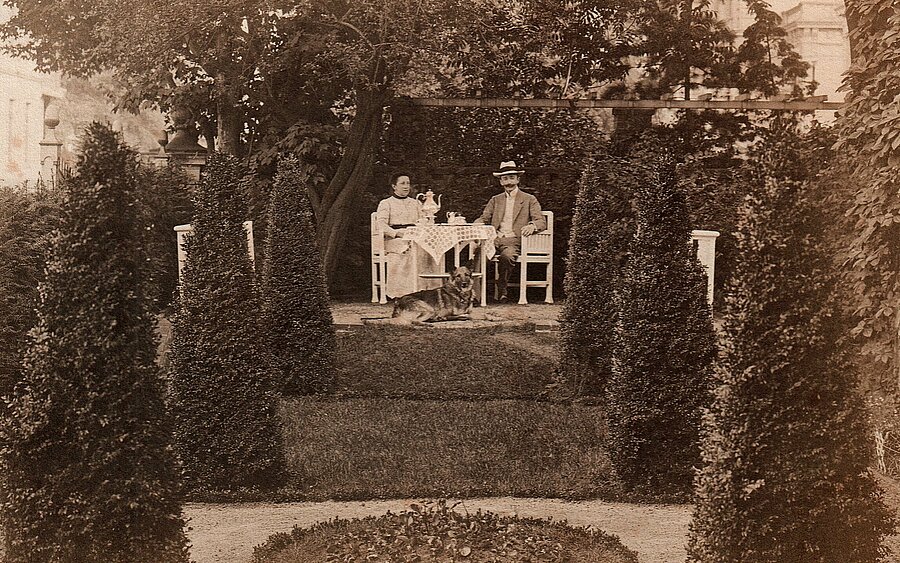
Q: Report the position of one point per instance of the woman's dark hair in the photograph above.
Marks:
(396, 176)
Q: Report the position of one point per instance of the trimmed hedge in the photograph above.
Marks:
(89, 475)
(786, 449)
(598, 244)
(664, 348)
(165, 201)
(223, 401)
(296, 307)
(27, 220)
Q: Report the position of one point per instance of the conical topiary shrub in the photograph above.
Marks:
(226, 427)
(89, 474)
(601, 230)
(665, 347)
(297, 311)
(785, 447)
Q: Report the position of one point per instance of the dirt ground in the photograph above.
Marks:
(227, 533)
(506, 313)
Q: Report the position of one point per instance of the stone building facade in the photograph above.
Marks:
(27, 99)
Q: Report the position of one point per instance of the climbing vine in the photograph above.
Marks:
(869, 138)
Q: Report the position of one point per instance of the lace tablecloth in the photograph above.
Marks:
(439, 238)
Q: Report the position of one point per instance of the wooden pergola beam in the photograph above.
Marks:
(746, 105)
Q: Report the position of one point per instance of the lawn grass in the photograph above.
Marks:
(365, 448)
(418, 363)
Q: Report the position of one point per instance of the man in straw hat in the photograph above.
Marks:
(513, 213)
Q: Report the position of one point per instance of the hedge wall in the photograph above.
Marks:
(453, 151)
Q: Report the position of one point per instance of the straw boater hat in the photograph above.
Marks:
(508, 167)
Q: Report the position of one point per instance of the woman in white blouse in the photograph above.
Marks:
(395, 214)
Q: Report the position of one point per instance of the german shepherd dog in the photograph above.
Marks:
(451, 301)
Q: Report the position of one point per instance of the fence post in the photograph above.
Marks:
(706, 253)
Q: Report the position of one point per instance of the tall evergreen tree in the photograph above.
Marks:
(665, 347)
(89, 473)
(601, 231)
(224, 404)
(297, 311)
(785, 449)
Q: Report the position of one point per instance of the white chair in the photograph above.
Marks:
(379, 262)
(536, 249)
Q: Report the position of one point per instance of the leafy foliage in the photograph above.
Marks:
(769, 63)
(685, 43)
(869, 136)
(27, 220)
(437, 532)
(785, 446)
(297, 311)
(223, 402)
(164, 203)
(664, 347)
(601, 232)
(541, 48)
(89, 473)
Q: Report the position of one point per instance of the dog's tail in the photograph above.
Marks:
(394, 302)
(375, 320)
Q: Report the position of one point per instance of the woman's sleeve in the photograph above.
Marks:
(383, 214)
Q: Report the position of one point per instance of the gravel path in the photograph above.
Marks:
(227, 533)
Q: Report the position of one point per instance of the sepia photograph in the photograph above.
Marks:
(582, 281)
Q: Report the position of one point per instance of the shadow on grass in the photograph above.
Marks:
(353, 449)
(418, 363)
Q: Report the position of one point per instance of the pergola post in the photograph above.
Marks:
(706, 254)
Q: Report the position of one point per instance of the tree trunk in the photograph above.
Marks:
(354, 173)
(852, 21)
(230, 120)
(688, 46)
